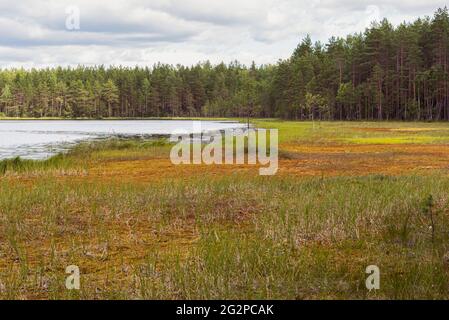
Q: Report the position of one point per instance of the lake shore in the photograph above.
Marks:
(39, 139)
(347, 195)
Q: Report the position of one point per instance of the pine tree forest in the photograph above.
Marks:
(385, 73)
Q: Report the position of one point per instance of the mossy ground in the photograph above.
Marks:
(141, 228)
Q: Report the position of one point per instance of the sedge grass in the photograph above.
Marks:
(232, 238)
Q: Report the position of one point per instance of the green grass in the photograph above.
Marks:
(19, 166)
(258, 238)
(406, 139)
(121, 149)
(79, 157)
(325, 132)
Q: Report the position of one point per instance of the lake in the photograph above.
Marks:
(40, 139)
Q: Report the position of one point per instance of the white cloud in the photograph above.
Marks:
(33, 34)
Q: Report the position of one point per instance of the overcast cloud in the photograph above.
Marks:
(33, 33)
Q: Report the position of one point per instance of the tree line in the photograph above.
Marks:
(386, 72)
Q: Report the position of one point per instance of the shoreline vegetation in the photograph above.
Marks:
(347, 195)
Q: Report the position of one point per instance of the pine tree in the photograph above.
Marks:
(6, 99)
(110, 95)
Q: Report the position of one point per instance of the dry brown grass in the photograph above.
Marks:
(108, 219)
(298, 160)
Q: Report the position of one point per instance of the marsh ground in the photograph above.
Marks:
(347, 195)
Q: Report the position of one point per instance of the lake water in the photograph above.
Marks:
(39, 139)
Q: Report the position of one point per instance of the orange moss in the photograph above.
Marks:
(298, 160)
(159, 169)
(360, 160)
(133, 237)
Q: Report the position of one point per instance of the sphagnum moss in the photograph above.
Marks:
(228, 236)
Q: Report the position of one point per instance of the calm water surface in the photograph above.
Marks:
(39, 139)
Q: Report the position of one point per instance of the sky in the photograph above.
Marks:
(49, 33)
